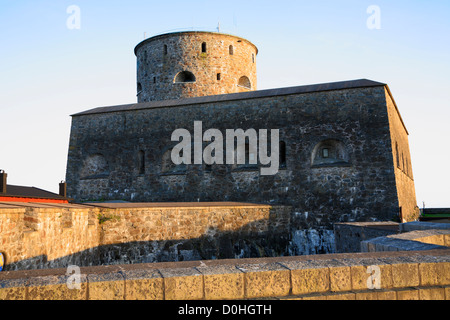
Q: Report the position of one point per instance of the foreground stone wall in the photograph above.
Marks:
(47, 236)
(36, 236)
(376, 276)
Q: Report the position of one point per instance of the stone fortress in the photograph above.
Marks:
(139, 224)
(344, 153)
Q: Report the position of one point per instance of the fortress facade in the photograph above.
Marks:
(343, 147)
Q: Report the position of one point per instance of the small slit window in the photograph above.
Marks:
(165, 49)
(204, 47)
(403, 163)
(141, 162)
(139, 87)
(219, 76)
(397, 155)
(282, 154)
(184, 77)
(253, 57)
(231, 50)
(407, 166)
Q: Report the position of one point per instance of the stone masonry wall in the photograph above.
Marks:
(34, 236)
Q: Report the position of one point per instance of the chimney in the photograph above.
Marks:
(63, 189)
(3, 176)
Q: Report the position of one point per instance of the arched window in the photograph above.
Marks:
(204, 47)
(231, 50)
(244, 82)
(184, 76)
(328, 153)
(141, 162)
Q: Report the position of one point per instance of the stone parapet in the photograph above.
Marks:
(423, 275)
(420, 225)
(427, 239)
(35, 236)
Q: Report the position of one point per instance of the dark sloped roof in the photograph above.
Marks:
(29, 192)
(361, 83)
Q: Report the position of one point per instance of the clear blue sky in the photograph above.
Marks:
(48, 71)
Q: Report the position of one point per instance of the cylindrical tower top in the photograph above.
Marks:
(194, 63)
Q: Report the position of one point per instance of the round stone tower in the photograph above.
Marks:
(192, 64)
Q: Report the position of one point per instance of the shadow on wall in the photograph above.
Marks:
(215, 244)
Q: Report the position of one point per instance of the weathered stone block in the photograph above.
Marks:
(369, 273)
(182, 284)
(308, 277)
(106, 286)
(143, 284)
(266, 280)
(223, 282)
(340, 278)
(405, 272)
(432, 294)
(387, 295)
(408, 294)
(432, 274)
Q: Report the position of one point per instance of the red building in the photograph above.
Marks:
(11, 193)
